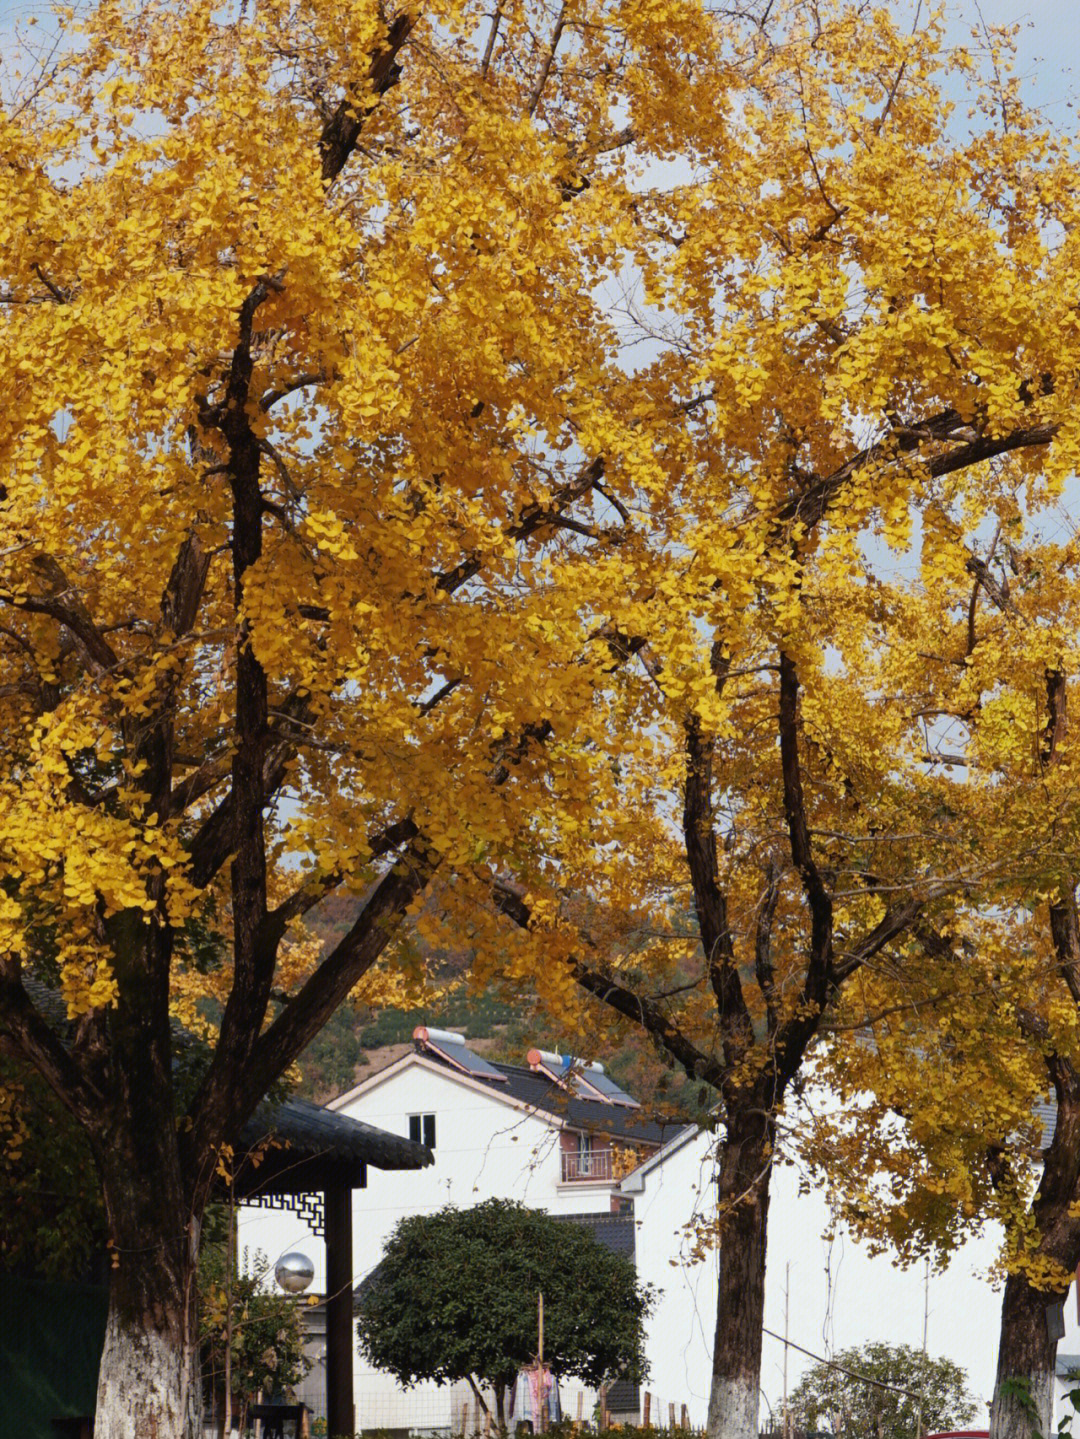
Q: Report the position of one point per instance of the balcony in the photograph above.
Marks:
(587, 1166)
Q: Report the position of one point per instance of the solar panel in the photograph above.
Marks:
(452, 1048)
(608, 1088)
(460, 1054)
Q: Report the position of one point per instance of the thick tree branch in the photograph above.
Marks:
(63, 604)
(510, 899)
(33, 1039)
(1065, 932)
(304, 1016)
(342, 130)
(811, 506)
(763, 963)
(710, 902)
(795, 814)
(308, 895)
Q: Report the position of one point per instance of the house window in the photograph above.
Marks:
(422, 1129)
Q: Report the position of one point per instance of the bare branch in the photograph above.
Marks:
(545, 69)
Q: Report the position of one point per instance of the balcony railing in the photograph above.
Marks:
(582, 1166)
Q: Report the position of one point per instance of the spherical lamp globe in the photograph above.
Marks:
(294, 1272)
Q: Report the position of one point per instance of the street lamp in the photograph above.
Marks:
(293, 1272)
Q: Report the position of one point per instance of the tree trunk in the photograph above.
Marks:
(149, 1382)
(1024, 1391)
(743, 1193)
(1027, 1356)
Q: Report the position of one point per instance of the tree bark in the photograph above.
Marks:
(1024, 1390)
(743, 1193)
(148, 1383)
(1027, 1356)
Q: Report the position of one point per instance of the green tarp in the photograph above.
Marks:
(51, 1336)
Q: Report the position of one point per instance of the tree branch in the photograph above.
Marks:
(795, 814)
(34, 1040)
(285, 1039)
(710, 902)
(342, 130)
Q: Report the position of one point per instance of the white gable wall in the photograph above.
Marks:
(679, 1336)
(484, 1149)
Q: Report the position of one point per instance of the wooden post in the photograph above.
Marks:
(648, 1410)
(337, 1211)
(685, 1417)
(671, 1416)
(464, 1419)
(580, 1408)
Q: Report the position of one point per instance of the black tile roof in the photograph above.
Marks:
(592, 1116)
(616, 1232)
(309, 1147)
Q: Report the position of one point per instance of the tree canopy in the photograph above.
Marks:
(844, 1399)
(455, 1297)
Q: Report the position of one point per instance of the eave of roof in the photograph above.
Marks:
(303, 1147)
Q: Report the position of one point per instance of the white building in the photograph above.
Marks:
(551, 1136)
(569, 1142)
(823, 1291)
(825, 1294)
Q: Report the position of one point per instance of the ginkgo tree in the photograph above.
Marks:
(873, 343)
(304, 462)
(947, 1126)
(347, 543)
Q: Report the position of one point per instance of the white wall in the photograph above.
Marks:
(679, 1332)
(838, 1295)
(484, 1149)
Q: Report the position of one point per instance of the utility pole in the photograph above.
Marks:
(787, 1294)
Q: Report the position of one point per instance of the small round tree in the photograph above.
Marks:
(857, 1396)
(455, 1297)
